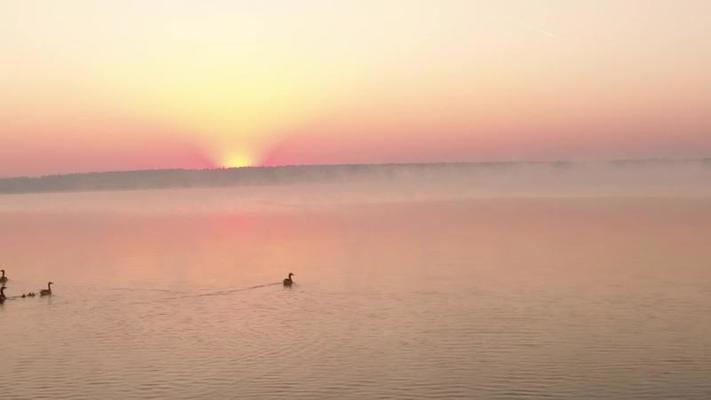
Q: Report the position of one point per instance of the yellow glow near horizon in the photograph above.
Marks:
(238, 160)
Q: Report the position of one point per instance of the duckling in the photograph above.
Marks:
(48, 291)
(2, 294)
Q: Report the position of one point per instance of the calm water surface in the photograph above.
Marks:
(489, 298)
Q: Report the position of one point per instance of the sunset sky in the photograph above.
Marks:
(115, 85)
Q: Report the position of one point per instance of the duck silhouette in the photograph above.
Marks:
(288, 281)
(48, 291)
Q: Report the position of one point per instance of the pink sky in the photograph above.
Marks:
(96, 86)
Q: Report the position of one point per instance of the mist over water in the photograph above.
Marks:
(519, 282)
(338, 185)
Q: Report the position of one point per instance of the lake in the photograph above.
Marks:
(520, 297)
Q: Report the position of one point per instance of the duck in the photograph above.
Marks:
(31, 294)
(288, 281)
(3, 278)
(48, 291)
(2, 294)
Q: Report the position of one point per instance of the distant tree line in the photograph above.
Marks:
(250, 176)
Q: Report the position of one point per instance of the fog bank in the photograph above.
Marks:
(297, 187)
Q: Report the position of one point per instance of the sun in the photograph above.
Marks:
(238, 161)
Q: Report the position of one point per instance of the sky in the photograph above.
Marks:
(122, 85)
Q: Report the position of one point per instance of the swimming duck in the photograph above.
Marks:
(31, 294)
(3, 278)
(48, 291)
(288, 281)
(2, 294)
